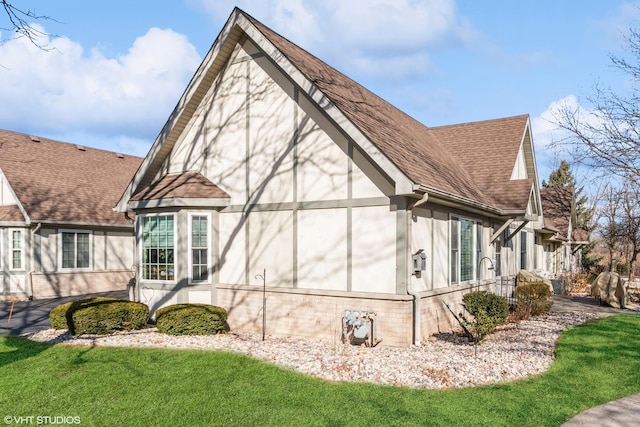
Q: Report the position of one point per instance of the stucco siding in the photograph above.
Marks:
(374, 249)
(441, 255)
(322, 249)
(271, 246)
(232, 248)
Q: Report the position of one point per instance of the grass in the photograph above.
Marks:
(596, 363)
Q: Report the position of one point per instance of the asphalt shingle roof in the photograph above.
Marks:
(184, 185)
(64, 183)
(556, 208)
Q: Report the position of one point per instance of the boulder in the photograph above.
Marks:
(611, 290)
(525, 276)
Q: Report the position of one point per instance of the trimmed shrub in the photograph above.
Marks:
(99, 316)
(191, 319)
(532, 299)
(60, 315)
(488, 311)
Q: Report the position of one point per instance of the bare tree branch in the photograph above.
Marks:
(19, 21)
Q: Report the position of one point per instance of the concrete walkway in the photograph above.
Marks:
(623, 412)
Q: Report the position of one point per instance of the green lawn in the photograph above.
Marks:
(595, 363)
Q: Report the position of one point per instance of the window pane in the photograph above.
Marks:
(199, 265)
(467, 249)
(17, 239)
(523, 250)
(68, 250)
(16, 244)
(157, 243)
(17, 260)
(454, 249)
(82, 250)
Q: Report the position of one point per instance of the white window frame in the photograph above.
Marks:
(139, 237)
(61, 231)
(475, 246)
(207, 215)
(12, 250)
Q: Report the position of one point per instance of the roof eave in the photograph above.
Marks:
(453, 200)
(200, 202)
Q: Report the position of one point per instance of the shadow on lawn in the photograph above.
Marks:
(15, 349)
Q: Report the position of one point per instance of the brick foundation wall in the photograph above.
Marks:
(298, 313)
(306, 314)
(48, 285)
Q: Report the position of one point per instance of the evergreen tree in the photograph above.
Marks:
(563, 177)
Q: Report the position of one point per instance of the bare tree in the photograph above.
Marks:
(606, 135)
(609, 230)
(19, 22)
(629, 224)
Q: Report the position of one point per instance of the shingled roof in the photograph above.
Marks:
(470, 163)
(184, 185)
(454, 159)
(58, 182)
(557, 206)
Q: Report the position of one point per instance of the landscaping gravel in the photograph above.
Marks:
(516, 350)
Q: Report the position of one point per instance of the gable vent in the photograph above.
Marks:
(34, 138)
(81, 148)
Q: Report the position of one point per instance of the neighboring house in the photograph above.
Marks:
(59, 234)
(274, 162)
(561, 239)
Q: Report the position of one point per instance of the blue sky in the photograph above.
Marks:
(118, 67)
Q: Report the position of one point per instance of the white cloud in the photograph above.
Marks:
(367, 37)
(131, 94)
(549, 138)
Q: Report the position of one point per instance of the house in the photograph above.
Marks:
(59, 235)
(561, 238)
(292, 196)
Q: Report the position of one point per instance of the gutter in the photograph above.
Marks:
(410, 291)
(33, 257)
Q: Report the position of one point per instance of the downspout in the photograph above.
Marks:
(33, 258)
(410, 290)
(132, 285)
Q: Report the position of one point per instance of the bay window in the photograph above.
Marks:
(158, 247)
(199, 240)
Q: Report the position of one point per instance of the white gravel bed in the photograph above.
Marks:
(514, 351)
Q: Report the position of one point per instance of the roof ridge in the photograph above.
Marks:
(477, 122)
(55, 141)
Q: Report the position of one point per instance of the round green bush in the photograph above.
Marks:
(532, 299)
(488, 309)
(191, 319)
(99, 316)
(60, 315)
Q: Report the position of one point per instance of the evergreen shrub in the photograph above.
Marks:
(532, 299)
(488, 311)
(191, 319)
(99, 316)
